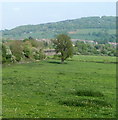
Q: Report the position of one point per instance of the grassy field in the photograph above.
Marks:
(87, 34)
(87, 31)
(83, 87)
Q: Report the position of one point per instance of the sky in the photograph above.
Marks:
(22, 13)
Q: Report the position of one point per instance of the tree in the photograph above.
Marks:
(63, 44)
(4, 53)
(16, 48)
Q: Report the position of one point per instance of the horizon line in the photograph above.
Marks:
(56, 21)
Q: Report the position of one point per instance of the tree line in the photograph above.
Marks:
(94, 49)
(31, 50)
(21, 51)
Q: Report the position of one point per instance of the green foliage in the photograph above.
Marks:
(94, 49)
(16, 48)
(3, 53)
(27, 49)
(39, 55)
(57, 57)
(27, 52)
(16, 51)
(6, 56)
(63, 45)
(100, 29)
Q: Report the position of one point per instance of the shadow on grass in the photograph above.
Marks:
(55, 62)
(61, 73)
(105, 62)
(88, 93)
(85, 103)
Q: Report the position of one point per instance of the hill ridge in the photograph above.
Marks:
(90, 28)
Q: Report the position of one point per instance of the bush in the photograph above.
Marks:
(8, 58)
(57, 57)
(39, 56)
(17, 49)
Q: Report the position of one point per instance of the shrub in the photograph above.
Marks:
(27, 49)
(3, 53)
(39, 55)
(57, 57)
(17, 49)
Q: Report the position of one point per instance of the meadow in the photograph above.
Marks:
(90, 31)
(82, 87)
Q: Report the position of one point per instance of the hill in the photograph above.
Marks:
(100, 29)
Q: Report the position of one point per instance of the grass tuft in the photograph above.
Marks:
(85, 103)
(88, 93)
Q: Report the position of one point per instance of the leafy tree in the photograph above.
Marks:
(94, 49)
(3, 54)
(39, 55)
(6, 54)
(27, 49)
(34, 43)
(63, 44)
(17, 49)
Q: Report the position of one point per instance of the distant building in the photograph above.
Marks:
(49, 51)
(45, 40)
(113, 43)
(85, 41)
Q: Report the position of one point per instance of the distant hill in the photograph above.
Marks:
(102, 29)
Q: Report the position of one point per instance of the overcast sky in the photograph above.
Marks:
(23, 13)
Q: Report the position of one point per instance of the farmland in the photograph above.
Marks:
(86, 28)
(82, 87)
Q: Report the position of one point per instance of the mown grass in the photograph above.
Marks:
(83, 87)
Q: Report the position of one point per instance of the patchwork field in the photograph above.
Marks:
(83, 87)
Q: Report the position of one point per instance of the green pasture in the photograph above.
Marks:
(82, 87)
(87, 31)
